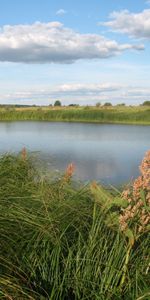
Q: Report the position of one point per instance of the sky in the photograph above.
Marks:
(80, 52)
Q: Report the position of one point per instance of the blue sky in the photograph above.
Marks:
(78, 51)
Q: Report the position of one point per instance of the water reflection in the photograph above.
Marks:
(108, 153)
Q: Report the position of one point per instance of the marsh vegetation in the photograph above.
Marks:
(102, 114)
(62, 240)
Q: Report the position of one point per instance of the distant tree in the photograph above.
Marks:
(98, 104)
(146, 103)
(121, 104)
(57, 103)
(107, 104)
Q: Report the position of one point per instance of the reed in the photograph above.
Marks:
(125, 115)
(60, 240)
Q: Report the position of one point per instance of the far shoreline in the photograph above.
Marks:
(79, 122)
(138, 115)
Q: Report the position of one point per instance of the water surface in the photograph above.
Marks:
(107, 153)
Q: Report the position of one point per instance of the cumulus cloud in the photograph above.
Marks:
(54, 43)
(61, 12)
(136, 25)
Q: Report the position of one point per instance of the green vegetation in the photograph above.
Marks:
(121, 104)
(98, 104)
(107, 104)
(146, 103)
(57, 103)
(69, 242)
(124, 115)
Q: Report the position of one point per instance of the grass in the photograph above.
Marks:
(124, 115)
(56, 243)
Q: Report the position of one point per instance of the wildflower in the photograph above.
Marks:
(24, 153)
(69, 172)
(94, 185)
(136, 212)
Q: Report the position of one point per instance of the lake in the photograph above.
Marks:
(109, 153)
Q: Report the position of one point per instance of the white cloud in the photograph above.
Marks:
(80, 93)
(136, 25)
(54, 43)
(87, 89)
(61, 12)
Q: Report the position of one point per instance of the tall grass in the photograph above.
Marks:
(125, 115)
(56, 243)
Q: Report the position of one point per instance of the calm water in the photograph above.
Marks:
(107, 153)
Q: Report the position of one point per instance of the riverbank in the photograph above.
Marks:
(63, 241)
(117, 115)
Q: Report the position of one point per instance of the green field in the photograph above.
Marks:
(60, 240)
(122, 115)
